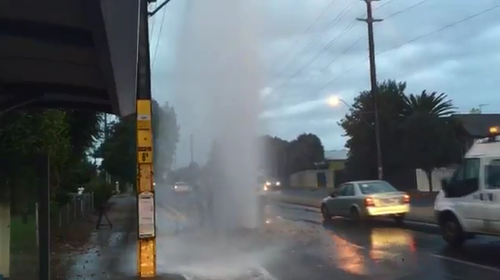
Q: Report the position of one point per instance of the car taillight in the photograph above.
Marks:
(369, 202)
(406, 199)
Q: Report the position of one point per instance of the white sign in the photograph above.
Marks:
(146, 215)
(143, 117)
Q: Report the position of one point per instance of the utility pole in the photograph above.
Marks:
(108, 177)
(191, 149)
(373, 80)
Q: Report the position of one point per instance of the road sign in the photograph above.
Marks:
(146, 215)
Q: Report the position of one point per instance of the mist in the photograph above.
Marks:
(218, 76)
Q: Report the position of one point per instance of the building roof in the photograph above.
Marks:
(336, 155)
(69, 53)
(477, 125)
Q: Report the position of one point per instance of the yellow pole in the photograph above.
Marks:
(146, 265)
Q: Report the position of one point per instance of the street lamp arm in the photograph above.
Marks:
(152, 13)
(346, 104)
(360, 115)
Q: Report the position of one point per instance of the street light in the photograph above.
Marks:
(334, 101)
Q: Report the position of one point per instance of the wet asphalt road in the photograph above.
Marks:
(293, 243)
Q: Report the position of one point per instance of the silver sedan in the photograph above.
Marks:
(364, 199)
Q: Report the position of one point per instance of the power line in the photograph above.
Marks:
(357, 40)
(305, 32)
(361, 37)
(442, 28)
(385, 4)
(406, 9)
(327, 47)
(409, 42)
(312, 43)
(159, 37)
(344, 52)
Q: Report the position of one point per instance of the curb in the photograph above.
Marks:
(410, 220)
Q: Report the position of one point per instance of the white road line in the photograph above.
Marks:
(485, 267)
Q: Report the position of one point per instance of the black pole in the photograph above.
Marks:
(143, 59)
(43, 164)
(373, 81)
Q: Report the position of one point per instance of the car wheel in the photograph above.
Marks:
(325, 213)
(399, 218)
(452, 231)
(355, 214)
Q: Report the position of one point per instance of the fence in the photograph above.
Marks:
(79, 207)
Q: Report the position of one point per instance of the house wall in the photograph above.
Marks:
(336, 164)
(404, 181)
(308, 178)
(437, 175)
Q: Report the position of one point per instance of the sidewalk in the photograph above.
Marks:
(103, 254)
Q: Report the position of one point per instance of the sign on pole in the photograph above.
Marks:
(146, 215)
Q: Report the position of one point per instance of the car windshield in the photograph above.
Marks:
(376, 187)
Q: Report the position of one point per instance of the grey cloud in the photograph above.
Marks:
(461, 60)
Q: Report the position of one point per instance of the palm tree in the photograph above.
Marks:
(428, 103)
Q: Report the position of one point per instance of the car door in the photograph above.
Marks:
(464, 194)
(491, 195)
(333, 203)
(348, 198)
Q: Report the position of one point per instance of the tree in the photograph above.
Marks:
(304, 152)
(165, 135)
(274, 156)
(359, 125)
(475, 111)
(428, 103)
(118, 151)
(431, 138)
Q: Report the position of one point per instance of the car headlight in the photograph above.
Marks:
(268, 183)
(278, 183)
(175, 187)
(265, 188)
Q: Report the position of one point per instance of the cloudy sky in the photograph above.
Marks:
(313, 49)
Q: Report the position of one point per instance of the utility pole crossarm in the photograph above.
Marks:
(367, 20)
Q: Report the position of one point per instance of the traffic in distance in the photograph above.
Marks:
(467, 205)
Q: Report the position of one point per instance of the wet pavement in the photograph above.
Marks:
(293, 243)
(101, 258)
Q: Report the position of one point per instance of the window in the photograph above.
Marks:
(469, 170)
(472, 167)
(341, 190)
(465, 179)
(492, 174)
(349, 190)
(376, 187)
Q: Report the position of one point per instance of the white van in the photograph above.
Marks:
(469, 202)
